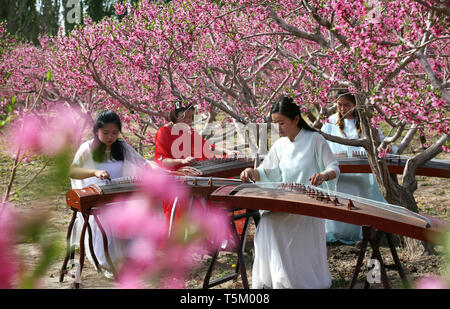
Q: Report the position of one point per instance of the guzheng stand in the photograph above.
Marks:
(240, 248)
(70, 253)
(88, 201)
(373, 238)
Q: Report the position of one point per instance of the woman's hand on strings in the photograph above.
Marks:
(189, 171)
(318, 178)
(248, 175)
(188, 160)
(102, 174)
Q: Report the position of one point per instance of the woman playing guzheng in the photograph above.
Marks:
(290, 249)
(178, 146)
(345, 123)
(101, 158)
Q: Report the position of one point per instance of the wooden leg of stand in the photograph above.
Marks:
(376, 254)
(256, 217)
(398, 265)
(210, 269)
(240, 248)
(82, 252)
(243, 240)
(91, 248)
(374, 243)
(240, 254)
(69, 248)
(105, 245)
(362, 252)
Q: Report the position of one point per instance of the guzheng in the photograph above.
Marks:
(223, 167)
(358, 163)
(311, 201)
(84, 199)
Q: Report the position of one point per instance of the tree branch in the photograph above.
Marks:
(409, 173)
(361, 142)
(435, 82)
(121, 99)
(442, 7)
(319, 39)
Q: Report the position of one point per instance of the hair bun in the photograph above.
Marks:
(289, 100)
(178, 106)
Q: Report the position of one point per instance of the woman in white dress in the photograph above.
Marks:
(290, 249)
(103, 158)
(345, 123)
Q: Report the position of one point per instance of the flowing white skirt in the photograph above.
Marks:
(116, 248)
(290, 252)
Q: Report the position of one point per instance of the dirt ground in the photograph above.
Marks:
(431, 195)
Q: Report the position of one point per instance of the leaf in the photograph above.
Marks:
(6, 121)
(49, 76)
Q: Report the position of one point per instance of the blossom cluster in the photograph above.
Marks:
(239, 56)
(153, 256)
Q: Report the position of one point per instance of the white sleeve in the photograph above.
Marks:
(82, 155)
(83, 159)
(133, 156)
(134, 163)
(269, 170)
(326, 155)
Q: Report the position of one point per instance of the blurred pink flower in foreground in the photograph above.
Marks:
(158, 184)
(25, 134)
(8, 260)
(50, 133)
(431, 282)
(153, 256)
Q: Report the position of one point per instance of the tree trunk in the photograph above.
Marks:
(392, 191)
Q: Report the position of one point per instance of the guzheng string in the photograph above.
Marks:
(363, 155)
(135, 180)
(431, 168)
(385, 206)
(200, 178)
(390, 157)
(126, 183)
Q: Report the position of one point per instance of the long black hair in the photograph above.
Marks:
(117, 150)
(340, 118)
(285, 106)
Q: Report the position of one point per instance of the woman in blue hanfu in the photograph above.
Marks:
(290, 249)
(346, 123)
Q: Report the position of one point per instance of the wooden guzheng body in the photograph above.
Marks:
(223, 167)
(86, 201)
(94, 195)
(309, 201)
(358, 163)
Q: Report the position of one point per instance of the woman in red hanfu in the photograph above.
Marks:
(178, 146)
